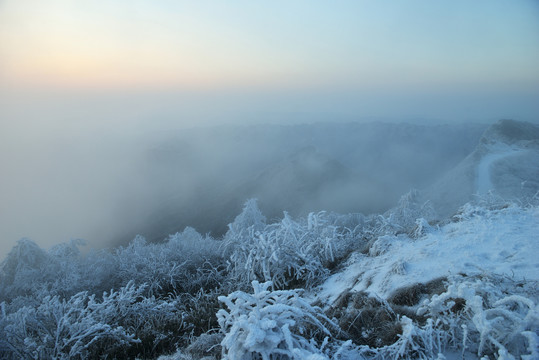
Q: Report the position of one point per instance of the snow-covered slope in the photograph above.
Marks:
(503, 242)
(505, 163)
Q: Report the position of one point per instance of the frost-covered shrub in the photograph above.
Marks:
(425, 342)
(205, 266)
(278, 254)
(287, 253)
(325, 236)
(271, 325)
(98, 271)
(250, 217)
(206, 346)
(365, 320)
(403, 217)
(485, 205)
(29, 272)
(489, 316)
(165, 296)
(27, 268)
(411, 207)
(74, 272)
(380, 330)
(413, 294)
(185, 262)
(353, 222)
(85, 327)
(146, 279)
(60, 329)
(150, 264)
(69, 278)
(410, 217)
(158, 323)
(200, 309)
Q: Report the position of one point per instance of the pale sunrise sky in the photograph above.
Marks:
(270, 44)
(182, 63)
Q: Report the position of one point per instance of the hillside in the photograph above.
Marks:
(504, 163)
(202, 176)
(406, 283)
(309, 180)
(375, 288)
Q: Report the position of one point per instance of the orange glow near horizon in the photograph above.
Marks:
(133, 44)
(66, 64)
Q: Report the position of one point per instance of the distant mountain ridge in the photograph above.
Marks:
(505, 163)
(308, 180)
(201, 177)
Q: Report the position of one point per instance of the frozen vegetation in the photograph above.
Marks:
(403, 284)
(323, 287)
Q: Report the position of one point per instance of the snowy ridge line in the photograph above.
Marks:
(484, 180)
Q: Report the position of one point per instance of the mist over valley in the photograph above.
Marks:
(202, 177)
(284, 180)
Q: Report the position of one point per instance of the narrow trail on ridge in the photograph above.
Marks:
(484, 181)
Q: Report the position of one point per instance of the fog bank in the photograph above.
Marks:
(94, 164)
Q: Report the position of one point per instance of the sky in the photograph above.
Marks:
(87, 80)
(266, 61)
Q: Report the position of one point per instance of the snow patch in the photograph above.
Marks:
(504, 242)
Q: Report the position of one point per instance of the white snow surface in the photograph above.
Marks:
(484, 177)
(503, 242)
